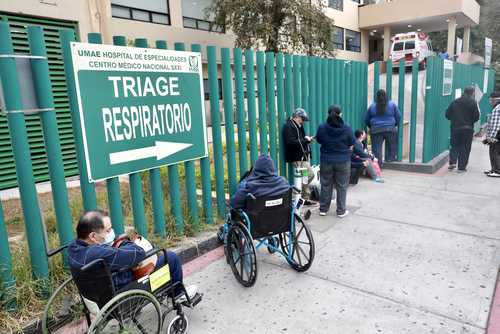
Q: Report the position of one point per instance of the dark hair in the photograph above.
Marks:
(334, 110)
(358, 133)
(495, 94)
(334, 118)
(381, 101)
(90, 221)
(469, 91)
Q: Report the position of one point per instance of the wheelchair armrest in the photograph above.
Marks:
(251, 196)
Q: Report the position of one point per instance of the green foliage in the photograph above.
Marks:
(298, 26)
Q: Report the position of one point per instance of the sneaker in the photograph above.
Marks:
(344, 214)
(461, 171)
(452, 166)
(379, 180)
(321, 213)
(493, 174)
(191, 291)
(488, 171)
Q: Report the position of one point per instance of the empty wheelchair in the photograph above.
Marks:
(273, 222)
(140, 307)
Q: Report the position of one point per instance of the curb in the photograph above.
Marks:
(430, 167)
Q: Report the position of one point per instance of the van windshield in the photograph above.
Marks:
(410, 45)
(398, 46)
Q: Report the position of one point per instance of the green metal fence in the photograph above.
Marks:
(283, 82)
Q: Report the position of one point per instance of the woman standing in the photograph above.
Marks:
(336, 140)
(383, 118)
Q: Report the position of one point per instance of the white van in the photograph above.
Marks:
(409, 46)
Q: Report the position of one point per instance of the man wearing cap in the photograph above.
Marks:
(297, 150)
(462, 113)
(493, 136)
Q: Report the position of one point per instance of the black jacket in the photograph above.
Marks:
(463, 113)
(296, 145)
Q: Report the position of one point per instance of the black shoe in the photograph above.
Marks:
(452, 166)
(488, 171)
(308, 202)
(493, 174)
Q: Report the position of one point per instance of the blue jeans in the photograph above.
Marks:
(378, 139)
(334, 174)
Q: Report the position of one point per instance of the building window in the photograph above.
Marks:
(352, 40)
(206, 88)
(193, 16)
(336, 4)
(154, 11)
(338, 38)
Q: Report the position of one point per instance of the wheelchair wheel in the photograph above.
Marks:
(64, 307)
(133, 311)
(302, 244)
(241, 254)
(178, 325)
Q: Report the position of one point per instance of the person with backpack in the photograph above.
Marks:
(462, 113)
(382, 118)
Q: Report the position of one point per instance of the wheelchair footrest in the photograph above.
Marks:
(195, 300)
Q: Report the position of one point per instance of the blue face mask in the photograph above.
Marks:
(110, 237)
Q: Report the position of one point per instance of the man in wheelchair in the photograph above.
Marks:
(94, 240)
(262, 181)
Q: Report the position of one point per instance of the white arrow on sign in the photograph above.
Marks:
(160, 150)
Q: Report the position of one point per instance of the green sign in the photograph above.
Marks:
(139, 108)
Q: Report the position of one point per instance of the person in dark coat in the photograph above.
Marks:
(336, 139)
(297, 148)
(262, 181)
(362, 160)
(383, 119)
(462, 113)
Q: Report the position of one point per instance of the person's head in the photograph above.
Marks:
(381, 101)
(495, 98)
(360, 135)
(264, 166)
(335, 116)
(94, 227)
(469, 91)
(300, 116)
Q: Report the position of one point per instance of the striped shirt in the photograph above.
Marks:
(493, 125)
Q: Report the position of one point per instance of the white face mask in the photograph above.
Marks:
(110, 237)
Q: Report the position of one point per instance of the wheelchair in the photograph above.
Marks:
(274, 222)
(139, 307)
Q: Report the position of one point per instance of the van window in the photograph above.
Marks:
(398, 46)
(410, 45)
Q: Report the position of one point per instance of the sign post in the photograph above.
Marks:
(139, 108)
(488, 50)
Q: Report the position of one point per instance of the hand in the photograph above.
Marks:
(309, 138)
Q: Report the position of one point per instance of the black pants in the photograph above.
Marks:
(461, 142)
(495, 157)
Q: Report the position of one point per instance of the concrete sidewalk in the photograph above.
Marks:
(419, 254)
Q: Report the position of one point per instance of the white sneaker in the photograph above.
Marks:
(342, 215)
(493, 174)
(322, 213)
(191, 291)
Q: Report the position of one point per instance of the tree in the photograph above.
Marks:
(277, 25)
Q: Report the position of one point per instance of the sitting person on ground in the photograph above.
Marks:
(361, 159)
(262, 181)
(95, 237)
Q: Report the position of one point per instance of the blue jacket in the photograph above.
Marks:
(387, 122)
(336, 139)
(80, 253)
(263, 181)
(359, 154)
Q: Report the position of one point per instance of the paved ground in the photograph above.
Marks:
(419, 254)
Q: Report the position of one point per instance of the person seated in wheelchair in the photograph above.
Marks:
(262, 181)
(95, 239)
